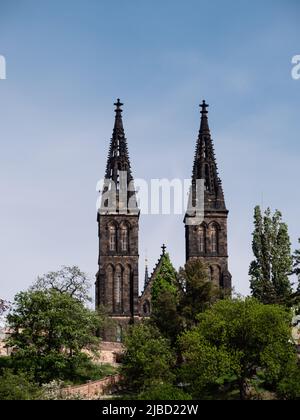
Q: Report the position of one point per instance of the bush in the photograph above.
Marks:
(17, 387)
(164, 392)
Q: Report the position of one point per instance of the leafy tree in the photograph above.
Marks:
(235, 342)
(165, 315)
(148, 358)
(164, 392)
(50, 330)
(165, 279)
(198, 293)
(288, 387)
(296, 266)
(3, 306)
(273, 261)
(17, 387)
(69, 280)
(165, 300)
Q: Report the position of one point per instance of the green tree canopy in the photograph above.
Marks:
(165, 300)
(165, 279)
(50, 330)
(16, 387)
(70, 280)
(236, 342)
(148, 358)
(198, 293)
(296, 265)
(272, 266)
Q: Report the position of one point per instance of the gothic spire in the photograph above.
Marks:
(205, 165)
(146, 274)
(118, 157)
(118, 176)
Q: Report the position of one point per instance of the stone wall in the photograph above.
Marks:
(95, 389)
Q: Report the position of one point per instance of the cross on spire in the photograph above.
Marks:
(204, 107)
(164, 249)
(118, 105)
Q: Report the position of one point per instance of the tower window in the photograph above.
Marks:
(112, 238)
(118, 286)
(124, 239)
(202, 239)
(214, 239)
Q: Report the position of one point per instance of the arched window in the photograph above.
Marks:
(214, 239)
(112, 238)
(109, 287)
(124, 238)
(202, 239)
(118, 288)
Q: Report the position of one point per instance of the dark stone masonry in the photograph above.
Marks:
(117, 280)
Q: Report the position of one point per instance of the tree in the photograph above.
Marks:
(148, 358)
(164, 392)
(296, 266)
(16, 387)
(165, 300)
(69, 280)
(273, 261)
(198, 293)
(3, 306)
(50, 330)
(165, 279)
(236, 343)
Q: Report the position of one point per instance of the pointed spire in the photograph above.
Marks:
(146, 274)
(205, 165)
(118, 168)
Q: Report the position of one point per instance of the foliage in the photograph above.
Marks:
(165, 300)
(235, 341)
(198, 293)
(3, 306)
(55, 391)
(70, 280)
(165, 279)
(296, 265)
(289, 386)
(50, 329)
(148, 358)
(164, 392)
(273, 261)
(17, 387)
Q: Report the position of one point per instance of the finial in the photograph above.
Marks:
(204, 107)
(118, 106)
(164, 249)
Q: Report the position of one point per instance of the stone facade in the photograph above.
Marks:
(117, 280)
(206, 237)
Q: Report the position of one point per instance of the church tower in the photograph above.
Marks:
(118, 231)
(206, 236)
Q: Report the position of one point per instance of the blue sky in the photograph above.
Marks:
(67, 62)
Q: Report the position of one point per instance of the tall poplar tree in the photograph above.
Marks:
(296, 266)
(272, 266)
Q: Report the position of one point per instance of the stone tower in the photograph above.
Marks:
(118, 230)
(206, 236)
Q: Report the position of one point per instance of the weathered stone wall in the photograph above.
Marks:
(96, 388)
